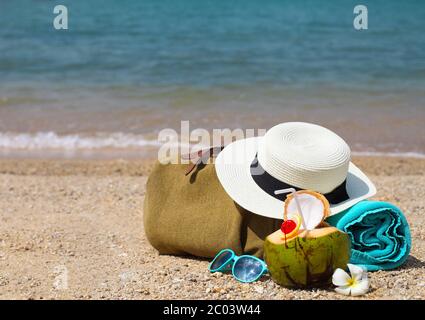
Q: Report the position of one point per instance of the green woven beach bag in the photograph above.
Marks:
(190, 213)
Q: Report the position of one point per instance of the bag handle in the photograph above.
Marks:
(201, 156)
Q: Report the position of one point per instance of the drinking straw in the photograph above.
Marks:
(294, 193)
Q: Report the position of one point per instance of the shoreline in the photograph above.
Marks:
(373, 165)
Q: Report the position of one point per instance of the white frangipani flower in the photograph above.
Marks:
(357, 284)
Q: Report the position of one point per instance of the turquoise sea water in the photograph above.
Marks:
(126, 69)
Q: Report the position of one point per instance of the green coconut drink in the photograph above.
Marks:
(308, 259)
(305, 251)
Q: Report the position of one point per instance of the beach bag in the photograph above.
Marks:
(191, 214)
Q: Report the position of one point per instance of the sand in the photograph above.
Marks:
(73, 230)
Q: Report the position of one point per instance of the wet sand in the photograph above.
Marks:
(73, 229)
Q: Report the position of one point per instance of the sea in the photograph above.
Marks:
(123, 71)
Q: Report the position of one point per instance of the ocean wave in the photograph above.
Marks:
(411, 154)
(51, 140)
(119, 140)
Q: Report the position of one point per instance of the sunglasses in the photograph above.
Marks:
(244, 268)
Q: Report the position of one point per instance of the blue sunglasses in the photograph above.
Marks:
(244, 268)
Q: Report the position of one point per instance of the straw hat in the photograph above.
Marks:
(293, 154)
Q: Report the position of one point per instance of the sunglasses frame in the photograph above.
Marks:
(230, 263)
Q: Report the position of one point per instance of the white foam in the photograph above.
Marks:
(416, 155)
(51, 140)
(118, 140)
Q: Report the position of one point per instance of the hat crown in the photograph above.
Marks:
(305, 155)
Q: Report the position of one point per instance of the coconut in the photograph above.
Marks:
(314, 208)
(306, 250)
(308, 259)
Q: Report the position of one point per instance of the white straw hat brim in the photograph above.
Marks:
(233, 171)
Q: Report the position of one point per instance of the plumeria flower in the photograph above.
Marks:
(357, 284)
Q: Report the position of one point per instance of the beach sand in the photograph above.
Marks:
(73, 229)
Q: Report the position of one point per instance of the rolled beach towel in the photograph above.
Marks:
(379, 232)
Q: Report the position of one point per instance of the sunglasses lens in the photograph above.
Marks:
(220, 260)
(247, 269)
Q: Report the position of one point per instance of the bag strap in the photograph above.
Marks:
(201, 156)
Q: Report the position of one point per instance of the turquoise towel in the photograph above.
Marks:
(379, 232)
